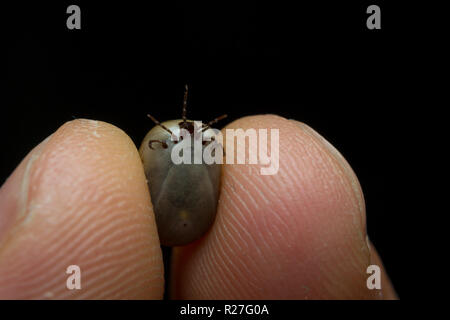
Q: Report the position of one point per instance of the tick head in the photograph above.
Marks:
(187, 125)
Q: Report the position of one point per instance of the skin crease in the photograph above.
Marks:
(80, 197)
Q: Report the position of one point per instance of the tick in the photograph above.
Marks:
(184, 196)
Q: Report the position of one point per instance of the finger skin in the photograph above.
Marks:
(298, 234)
(387, 291)
(79, 198)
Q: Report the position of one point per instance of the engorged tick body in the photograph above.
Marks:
(184, 196)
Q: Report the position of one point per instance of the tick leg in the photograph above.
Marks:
(209, 124)
(184, 104)
(163, 144)
(159, 124)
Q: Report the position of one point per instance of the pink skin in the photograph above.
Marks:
(80, 197)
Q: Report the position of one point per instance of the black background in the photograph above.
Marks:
(315, 62)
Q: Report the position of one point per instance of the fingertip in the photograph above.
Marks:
(297, 234)
(87, 204)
